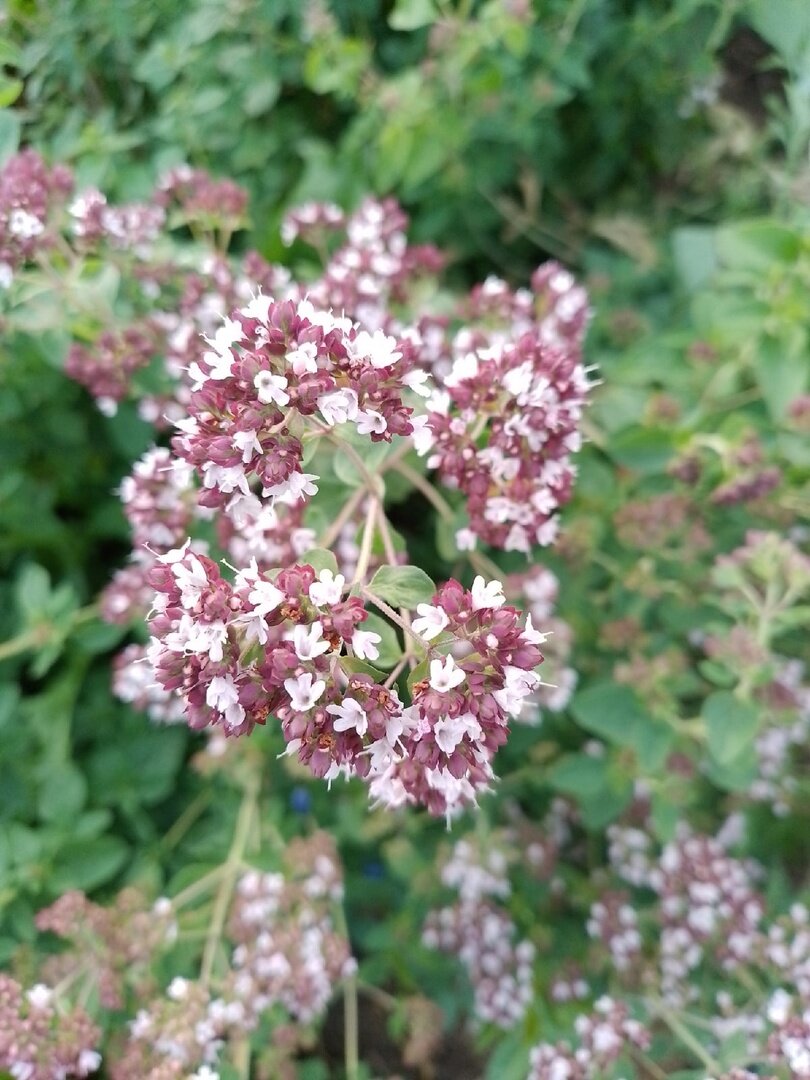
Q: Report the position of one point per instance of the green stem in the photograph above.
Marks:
(176, 833)
(424, 487)
(345, 515)
(43, 633)
(687, 1038)
(391, 556)
(386, 609)
(480, 562)
(197, 888)
(231, 870)
(367, 542)
(351, 1028)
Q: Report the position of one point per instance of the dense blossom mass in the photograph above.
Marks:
(282, 646)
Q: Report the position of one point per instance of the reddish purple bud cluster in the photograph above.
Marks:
(270, 364)
(289, 952)
(502, 430)
(106, 368)
(129, 227)
(201, 197)
(604, 1035)
(482, 935)
(28, 188)
(461, 707)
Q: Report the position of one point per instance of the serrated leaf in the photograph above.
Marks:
(402, 586)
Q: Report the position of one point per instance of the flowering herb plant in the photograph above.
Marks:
(599, 909)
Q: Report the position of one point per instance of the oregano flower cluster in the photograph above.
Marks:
(288, 646)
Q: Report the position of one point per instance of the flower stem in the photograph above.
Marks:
(386, 609)
(42, 633)
(367, 542)
(345, 514)
(687, 1038)
(230, 872)
(351, 1028)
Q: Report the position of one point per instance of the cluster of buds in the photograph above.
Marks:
(603, 1036)
(28, 190)
(38, 1041)
(708, 905)
(614, 923)
(271, 365)
(133, 227)
(200, 198)
(483, 937)
(461, 708)
(123, 939)
(537, 592)
(106, 368)
(288, 951)
(240, 652)
(374, 268)
(179, 1036)
(502, 429)
(134, 682)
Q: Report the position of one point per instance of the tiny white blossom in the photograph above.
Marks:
(328, 589)
(532, 636)
(338, 406)
(450, 730)
(417, 381)
(304, 359)
(444, 675)
(350, 716)
(364, 644)
(178, 988)
(270, 387)
(431, 621)
(265, 597)
(40, 996)
(89, 1061)
(308, 641)
(487, 594)
(304, 693)
(378, 347)
(370, 422)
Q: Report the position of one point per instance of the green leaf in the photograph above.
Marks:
(348, 469)
(10, 90)
(62, 794)
(615, 714)
(644, 450)
(413, 14)
(756, 245)
(87, 864)
(601, 791)
(320, 559)
(695, 258)
(782, 372)
(362, 667)
(402, 586)
(9, 135)
(731, 725)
